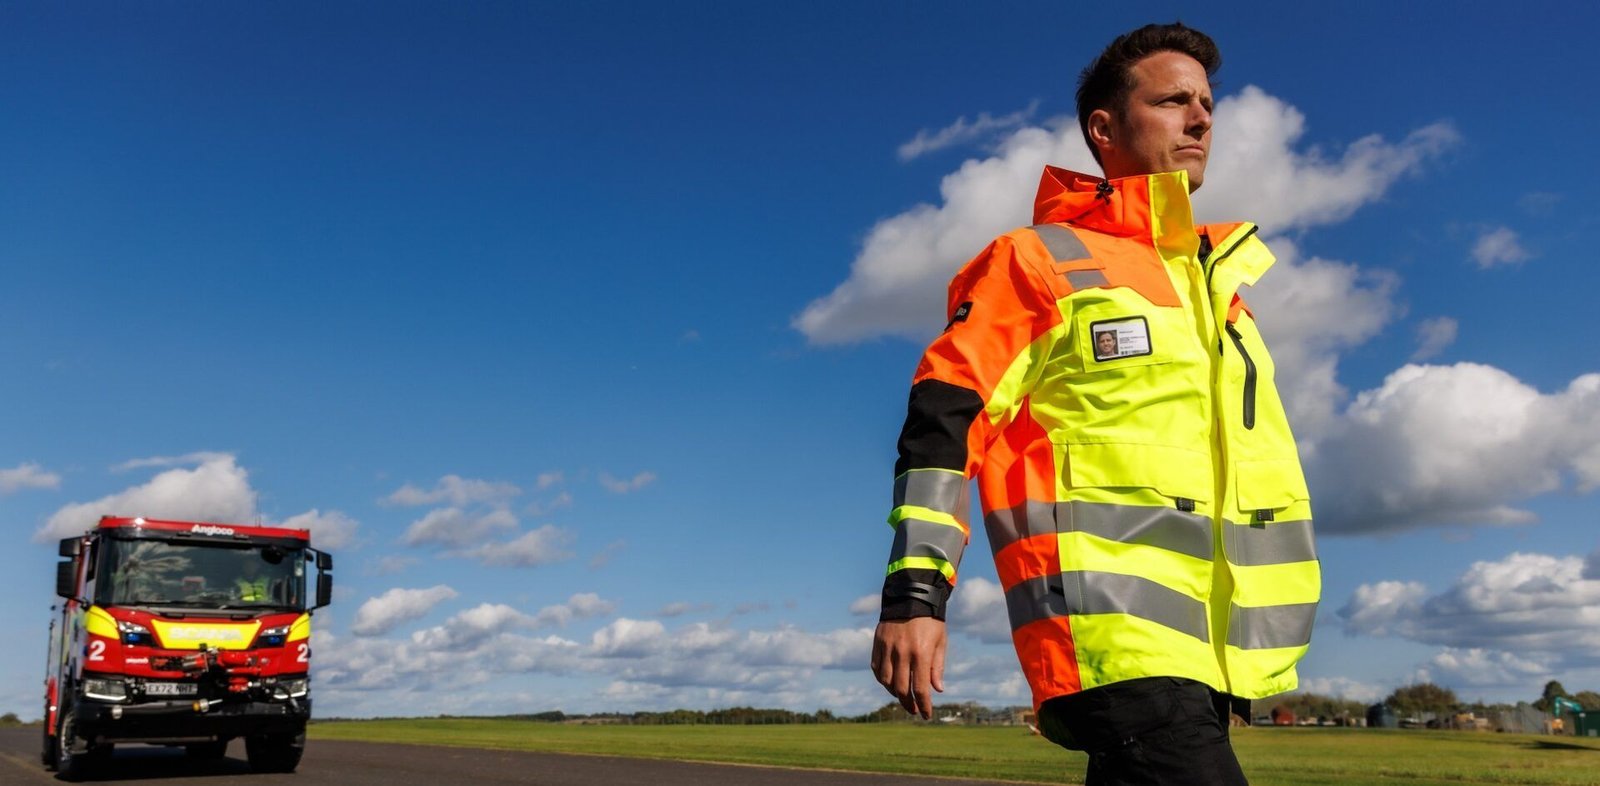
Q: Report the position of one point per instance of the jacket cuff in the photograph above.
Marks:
(912, 593)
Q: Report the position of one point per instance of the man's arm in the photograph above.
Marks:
(1003, 319)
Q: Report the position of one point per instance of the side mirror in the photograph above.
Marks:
(324, 561)
(70, 547)
(67, 578)
(324, 590)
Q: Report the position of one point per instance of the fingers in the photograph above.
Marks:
(908, 661)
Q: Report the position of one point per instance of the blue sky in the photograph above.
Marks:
(557, 324)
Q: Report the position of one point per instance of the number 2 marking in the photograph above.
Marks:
(97, 650)
(305, 653)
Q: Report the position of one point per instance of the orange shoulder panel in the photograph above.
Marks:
(999, 304)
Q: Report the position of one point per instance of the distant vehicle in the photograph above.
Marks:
(182, 634)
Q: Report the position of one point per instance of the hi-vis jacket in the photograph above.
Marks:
(1104, 383)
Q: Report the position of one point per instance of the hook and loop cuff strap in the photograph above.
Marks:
(912, 593)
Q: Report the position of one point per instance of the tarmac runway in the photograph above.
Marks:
(338, 763)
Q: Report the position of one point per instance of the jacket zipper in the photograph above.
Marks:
(1211, 264)
(1249, 378)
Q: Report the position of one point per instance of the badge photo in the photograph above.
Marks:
(1123, 337)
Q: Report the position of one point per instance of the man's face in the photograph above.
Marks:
(1106, 344)
(1165, 124)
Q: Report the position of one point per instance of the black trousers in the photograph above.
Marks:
(1155, 731)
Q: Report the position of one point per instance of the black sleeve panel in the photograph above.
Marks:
(914, 592)
(937, 420)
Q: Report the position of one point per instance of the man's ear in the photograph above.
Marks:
(1100, 130)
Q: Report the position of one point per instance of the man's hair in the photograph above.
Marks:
(1108, 81)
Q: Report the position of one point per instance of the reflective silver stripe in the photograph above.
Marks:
(1094, 592)
(1062, 244)
(917, 538)
(1023, 521)
(1086, 279)
(1273, 543)
(1163, 528)
(945, 492)
(1270, 627)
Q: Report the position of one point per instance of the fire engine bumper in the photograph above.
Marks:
(188, 721)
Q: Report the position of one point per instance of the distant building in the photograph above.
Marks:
(1382, 716)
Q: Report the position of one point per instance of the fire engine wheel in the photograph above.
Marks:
(72, 766)
(274, 752)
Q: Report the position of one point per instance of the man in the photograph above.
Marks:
(1110, 392)
(251, 585)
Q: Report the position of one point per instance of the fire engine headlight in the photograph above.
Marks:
(293, 689)
(105, 688)
(274, 637)
(134, 633)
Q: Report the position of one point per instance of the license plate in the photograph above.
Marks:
(170, 688)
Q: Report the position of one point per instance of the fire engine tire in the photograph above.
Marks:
(70, 766)
(275, 752)
(207, 750)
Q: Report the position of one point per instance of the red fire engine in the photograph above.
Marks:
(182, 633)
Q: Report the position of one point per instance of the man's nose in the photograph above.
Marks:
(1199, 119)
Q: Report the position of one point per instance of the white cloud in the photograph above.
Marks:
(680, 608)
(383, 613)
(963, 132)
(1453, 445)
(628, 638)
(1433, 335)
(185, 460)
(455, 527)
(543, 546)
(1498, 246)
(897, 282)
(1479, 667)
(1537, 606)
(1591, 566)
(472, 627)
(632, 484)
(331, 530)
(456, 490)
(548, 479)
(1256, 172)
(559, 501)
(867, 604)
(27, 476)
(1344, 688)
(216, 490)
(580, 606)
(1375, 609)
(978, 609)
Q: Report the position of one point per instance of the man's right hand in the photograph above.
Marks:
(908, 659)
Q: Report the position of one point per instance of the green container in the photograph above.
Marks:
(1586, 724)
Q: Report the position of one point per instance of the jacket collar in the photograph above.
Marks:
(1148, 206)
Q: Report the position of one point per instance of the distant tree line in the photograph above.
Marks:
(968, 712)
(1418, 699)
(1414, 700)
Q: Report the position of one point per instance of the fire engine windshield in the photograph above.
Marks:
(200, 575)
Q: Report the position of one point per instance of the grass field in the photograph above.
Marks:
(1271, 756)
